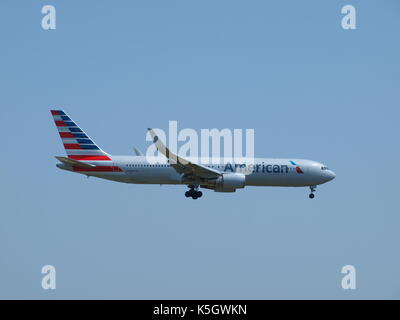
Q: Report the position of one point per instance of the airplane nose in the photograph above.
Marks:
(331, 175)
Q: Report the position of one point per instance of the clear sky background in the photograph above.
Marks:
(285, 68)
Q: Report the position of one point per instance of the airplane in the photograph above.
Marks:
(85, 157)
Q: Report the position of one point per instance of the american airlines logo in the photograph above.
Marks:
(264, 168)
(212, 146)
(298, 169)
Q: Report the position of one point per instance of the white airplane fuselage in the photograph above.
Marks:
(264, 172)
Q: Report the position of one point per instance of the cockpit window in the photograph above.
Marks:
(324, 168)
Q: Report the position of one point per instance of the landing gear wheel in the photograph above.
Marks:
(193, 193)
(197, 194)
(312, 189)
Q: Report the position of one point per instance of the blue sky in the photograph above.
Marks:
(285, 68)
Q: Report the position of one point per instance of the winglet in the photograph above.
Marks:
(174, 159)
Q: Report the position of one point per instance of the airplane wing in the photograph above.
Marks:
(182, 165)
(76, 163)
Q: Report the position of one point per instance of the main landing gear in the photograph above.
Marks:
(193, 192)
(312, 195)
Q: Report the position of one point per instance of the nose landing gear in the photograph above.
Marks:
(312, 195)
(193, 192)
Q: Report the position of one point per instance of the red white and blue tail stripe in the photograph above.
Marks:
(77, 144)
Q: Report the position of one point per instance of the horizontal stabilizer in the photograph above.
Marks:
(76, 163)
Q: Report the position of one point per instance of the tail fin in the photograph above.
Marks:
(77, 144)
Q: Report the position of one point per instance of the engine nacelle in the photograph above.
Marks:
(229, 182)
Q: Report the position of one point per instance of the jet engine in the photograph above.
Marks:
(229, 182)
